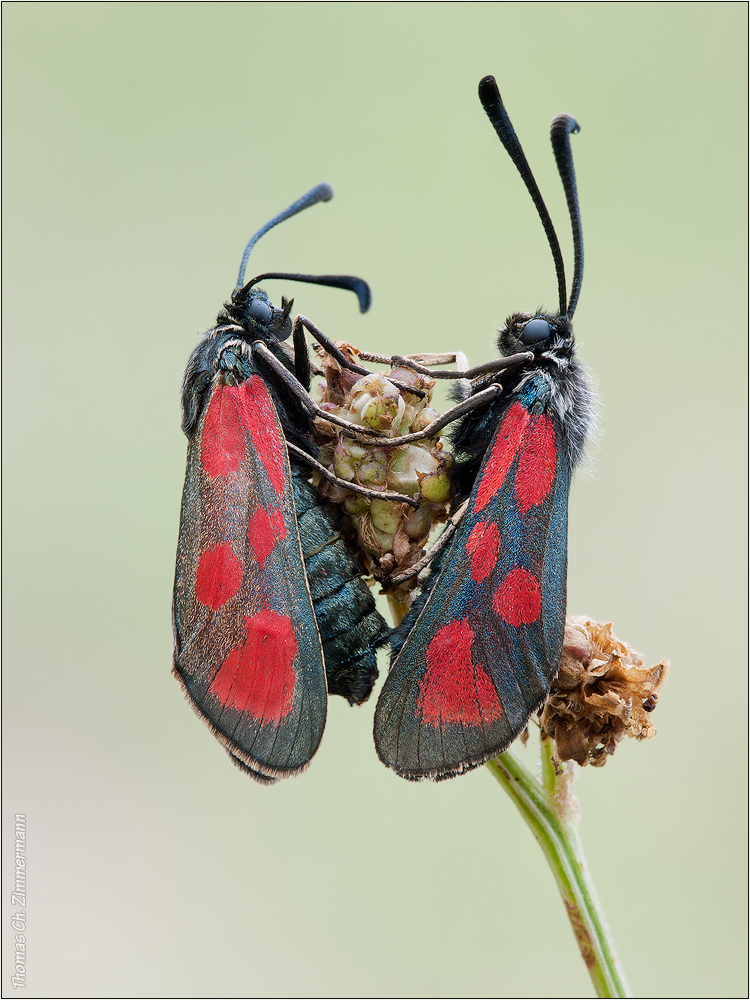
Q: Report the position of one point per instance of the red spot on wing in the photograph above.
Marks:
(263, 424)
(537, 464)
(454, 690)
(277, 521)
(518, 599)
(483, 545)
(507, 443)
(264, 530)
(219, 576)
(258, 677)
(223, 441)
(472, 542)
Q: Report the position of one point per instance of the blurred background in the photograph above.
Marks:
(144, 144)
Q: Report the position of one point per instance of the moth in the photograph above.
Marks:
(270, 611)
(479, 648)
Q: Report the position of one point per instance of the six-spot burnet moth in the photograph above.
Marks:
(478, 651)
(270, 610)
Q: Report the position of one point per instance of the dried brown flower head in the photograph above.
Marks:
(389, 536)
(601, 693)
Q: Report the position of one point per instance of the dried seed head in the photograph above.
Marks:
(601, 693)
(389, 536)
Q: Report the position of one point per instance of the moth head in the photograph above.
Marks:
(259, 317)
(535, 332)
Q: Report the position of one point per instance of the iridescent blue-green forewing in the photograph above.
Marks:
(478, 653)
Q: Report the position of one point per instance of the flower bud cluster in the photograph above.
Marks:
(389, 536)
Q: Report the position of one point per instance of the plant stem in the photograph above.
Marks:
(551, 810)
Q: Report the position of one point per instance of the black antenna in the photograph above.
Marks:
(323, 192)
(560, 130)
(492, 103)
(357, 285)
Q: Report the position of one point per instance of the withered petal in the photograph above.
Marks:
(602, 692)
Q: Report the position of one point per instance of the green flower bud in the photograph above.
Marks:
(407, 464)
(435, 487)
(377, 403)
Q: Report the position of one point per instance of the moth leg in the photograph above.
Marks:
(301, 356)
(302, 456)
(488, 368)
(464, 372)
(427, 558)
(341, 358)
(302, 322)
(351, 430)
(459, 410)
(427, 358)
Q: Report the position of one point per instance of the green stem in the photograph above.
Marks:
(551, 810)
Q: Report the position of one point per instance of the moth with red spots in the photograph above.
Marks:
(270, 611)
(478, 651)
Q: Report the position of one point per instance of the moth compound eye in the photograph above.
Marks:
(260, 311)
(535, 331)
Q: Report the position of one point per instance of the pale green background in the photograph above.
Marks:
(144, 143)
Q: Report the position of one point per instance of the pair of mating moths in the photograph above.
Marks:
(271, 613)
